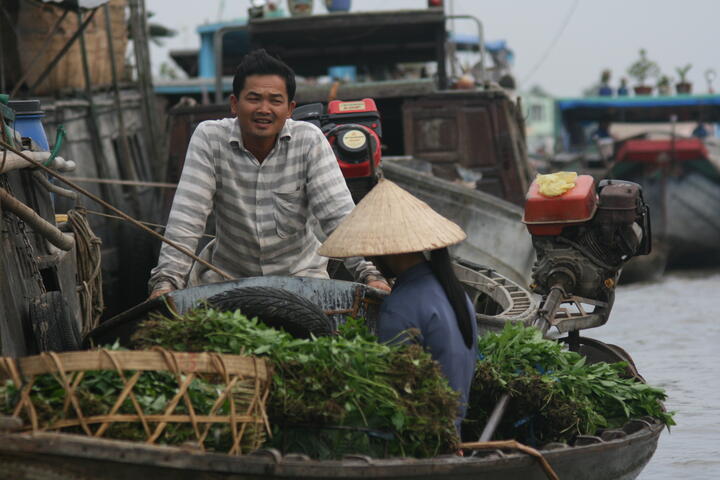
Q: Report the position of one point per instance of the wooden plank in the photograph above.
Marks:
(9, 424)
(360, 21)
(141, 360)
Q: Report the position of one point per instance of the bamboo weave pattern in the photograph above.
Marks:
(242, 385)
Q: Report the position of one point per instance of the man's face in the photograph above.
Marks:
(262, 106)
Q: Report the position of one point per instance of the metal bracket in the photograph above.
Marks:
(565, 320)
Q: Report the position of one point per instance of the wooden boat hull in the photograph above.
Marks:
(617, 454)
(689, 230)
(54, 456)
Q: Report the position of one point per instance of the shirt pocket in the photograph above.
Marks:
(289, 212)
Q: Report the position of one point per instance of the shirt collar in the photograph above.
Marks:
(236, 135)
(413, 273)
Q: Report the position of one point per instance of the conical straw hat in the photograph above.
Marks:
(389, 221)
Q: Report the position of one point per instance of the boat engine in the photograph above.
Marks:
(353, 130)
(582, 239)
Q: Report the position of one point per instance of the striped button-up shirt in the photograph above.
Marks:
(263, 211)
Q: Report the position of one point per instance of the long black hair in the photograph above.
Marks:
(443, 270)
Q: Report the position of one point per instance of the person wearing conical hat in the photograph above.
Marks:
(407, 240)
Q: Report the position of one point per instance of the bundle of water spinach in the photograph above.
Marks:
(330, 395)
(555, 394)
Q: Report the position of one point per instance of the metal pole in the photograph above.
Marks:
(495, 418)
(62, 52)
(548, 309)
(218, 49)
(665, 171)
(441, 55)
(481, 40)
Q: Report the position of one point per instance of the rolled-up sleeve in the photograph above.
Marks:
(330, 200)
(191, 207)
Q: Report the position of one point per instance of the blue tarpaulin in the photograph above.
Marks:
(685, 108)
(639, 102)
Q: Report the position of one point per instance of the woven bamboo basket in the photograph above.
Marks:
(35, 21)
(236, 386)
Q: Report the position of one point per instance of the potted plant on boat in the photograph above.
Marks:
(683, 86)
(300, 8)
(641, 70)
(622, 90)
(663, 85)
(604, 89)
(337, 5)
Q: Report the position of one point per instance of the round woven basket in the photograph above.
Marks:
(231, 416)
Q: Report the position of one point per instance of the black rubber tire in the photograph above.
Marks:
(276, 308)
(54, 329)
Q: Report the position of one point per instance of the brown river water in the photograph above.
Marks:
(671, 328)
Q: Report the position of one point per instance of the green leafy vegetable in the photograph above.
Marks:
(554, 393)
(97, 393)
(330, 395)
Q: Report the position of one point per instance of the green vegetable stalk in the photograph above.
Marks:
(330, 395)
(554, 393)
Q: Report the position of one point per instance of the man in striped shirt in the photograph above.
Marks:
(263, 176)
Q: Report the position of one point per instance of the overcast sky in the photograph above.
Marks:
(597, 34)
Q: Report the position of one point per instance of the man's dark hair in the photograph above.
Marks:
(259, 62)
(441, 266)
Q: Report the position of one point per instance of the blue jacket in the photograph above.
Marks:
(419, 301)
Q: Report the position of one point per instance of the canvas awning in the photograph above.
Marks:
(687, 108)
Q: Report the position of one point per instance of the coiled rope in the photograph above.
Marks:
(89, 255)
(116, 210)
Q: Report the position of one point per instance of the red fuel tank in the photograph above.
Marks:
(549, 215)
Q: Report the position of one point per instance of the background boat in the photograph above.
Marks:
(667, 145)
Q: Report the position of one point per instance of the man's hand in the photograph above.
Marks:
(158, 292)
(380, 285)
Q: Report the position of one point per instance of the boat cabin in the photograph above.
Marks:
(669, 145)
(592, 132)
(397, 58)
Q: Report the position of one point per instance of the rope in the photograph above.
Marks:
(148, 224)
(89, 257)
(554, 41)
(513, 444)
(131, 183)
(124, 215)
